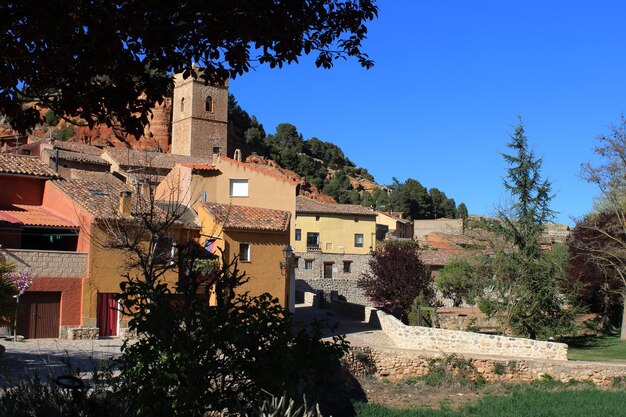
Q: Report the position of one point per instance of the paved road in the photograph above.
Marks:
(50, 358)
(53, 357)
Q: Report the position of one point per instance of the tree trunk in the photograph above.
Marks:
(622, 335)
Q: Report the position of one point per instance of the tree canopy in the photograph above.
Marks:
(111, 61)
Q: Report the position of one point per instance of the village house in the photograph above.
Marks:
(39, 237)
(332, 241)
(392, 225)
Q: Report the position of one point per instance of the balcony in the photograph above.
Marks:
(46, 263)
(313, 249)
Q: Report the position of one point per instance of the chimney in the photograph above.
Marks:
(125, 203)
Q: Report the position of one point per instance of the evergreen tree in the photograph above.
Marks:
(526, 289)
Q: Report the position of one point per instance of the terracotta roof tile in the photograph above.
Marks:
(25, 165)
(29, 215)
(248, 218)
(134, 158)
(79, 147)
(200, 167)
(309, 206)
(263, 169)
(77, 156)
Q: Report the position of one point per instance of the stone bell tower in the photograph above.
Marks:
(199, 118)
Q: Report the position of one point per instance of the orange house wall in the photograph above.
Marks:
(71, 296)
(21, 190)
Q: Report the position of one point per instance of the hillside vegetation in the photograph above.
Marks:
(325, 165)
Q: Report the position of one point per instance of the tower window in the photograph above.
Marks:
(208, 104)
(182, 105)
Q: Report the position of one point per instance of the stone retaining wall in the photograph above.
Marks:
(46, 263)
(345, 287)
(397, 365)
(453, 341)
(81, 333)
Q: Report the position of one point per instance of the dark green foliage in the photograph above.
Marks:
(460, 281)
(193, 358)
(65, 132)
(51, 119)
(462, 211)
(526, 290)
(243, 128)
(417, 202)
(134, 47)
(7, 291)
(452, 369)
(397, 276)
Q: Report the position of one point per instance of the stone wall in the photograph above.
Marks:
(344, 287)
(452, 341)
(396, 365)
(80, 333)
(359, 265)
(46, 263)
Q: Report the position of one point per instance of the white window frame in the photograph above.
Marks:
(238, 187)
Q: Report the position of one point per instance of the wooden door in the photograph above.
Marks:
(328, 270)
(107, 316)
(39, 315)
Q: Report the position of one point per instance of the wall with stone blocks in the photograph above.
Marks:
(344, 287)
(453, 341)
(46, 263)
(359, 264)
(396, 365)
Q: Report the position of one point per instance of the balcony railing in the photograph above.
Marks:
(313, 249)
(46, 263)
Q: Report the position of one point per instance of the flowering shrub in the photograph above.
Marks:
(22, 280)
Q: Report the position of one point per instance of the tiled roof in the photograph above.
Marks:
(200, 167)
(77, 156)
(394, 215)
(248, 218)
(25, 165)
(97, 194)
(33, 216)
(263, 169)
(306, 205)
(129, 157)
(79, 147)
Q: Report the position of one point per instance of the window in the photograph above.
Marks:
(163, 251)
(244, 252)
(239, 188)
(298, 234)
(182, 105)
(312, 240)
(358, 240)
(347, 267)
(217, 150)
(208, 104)
(296, 262)
(308, 264)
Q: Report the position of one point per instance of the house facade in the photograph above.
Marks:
(332, 241)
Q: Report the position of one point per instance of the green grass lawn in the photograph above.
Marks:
(526, 403)
(598, 349)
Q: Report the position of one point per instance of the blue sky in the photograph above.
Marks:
(449, 81)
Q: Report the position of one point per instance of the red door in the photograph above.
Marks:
(39, 314)
(107, 314)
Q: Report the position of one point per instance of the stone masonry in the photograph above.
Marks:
(400, 364)
(46, 263)
(344, 283)
(453, 341)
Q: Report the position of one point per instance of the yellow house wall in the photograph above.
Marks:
(338, 231)
(105, 270)
(265, 257)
